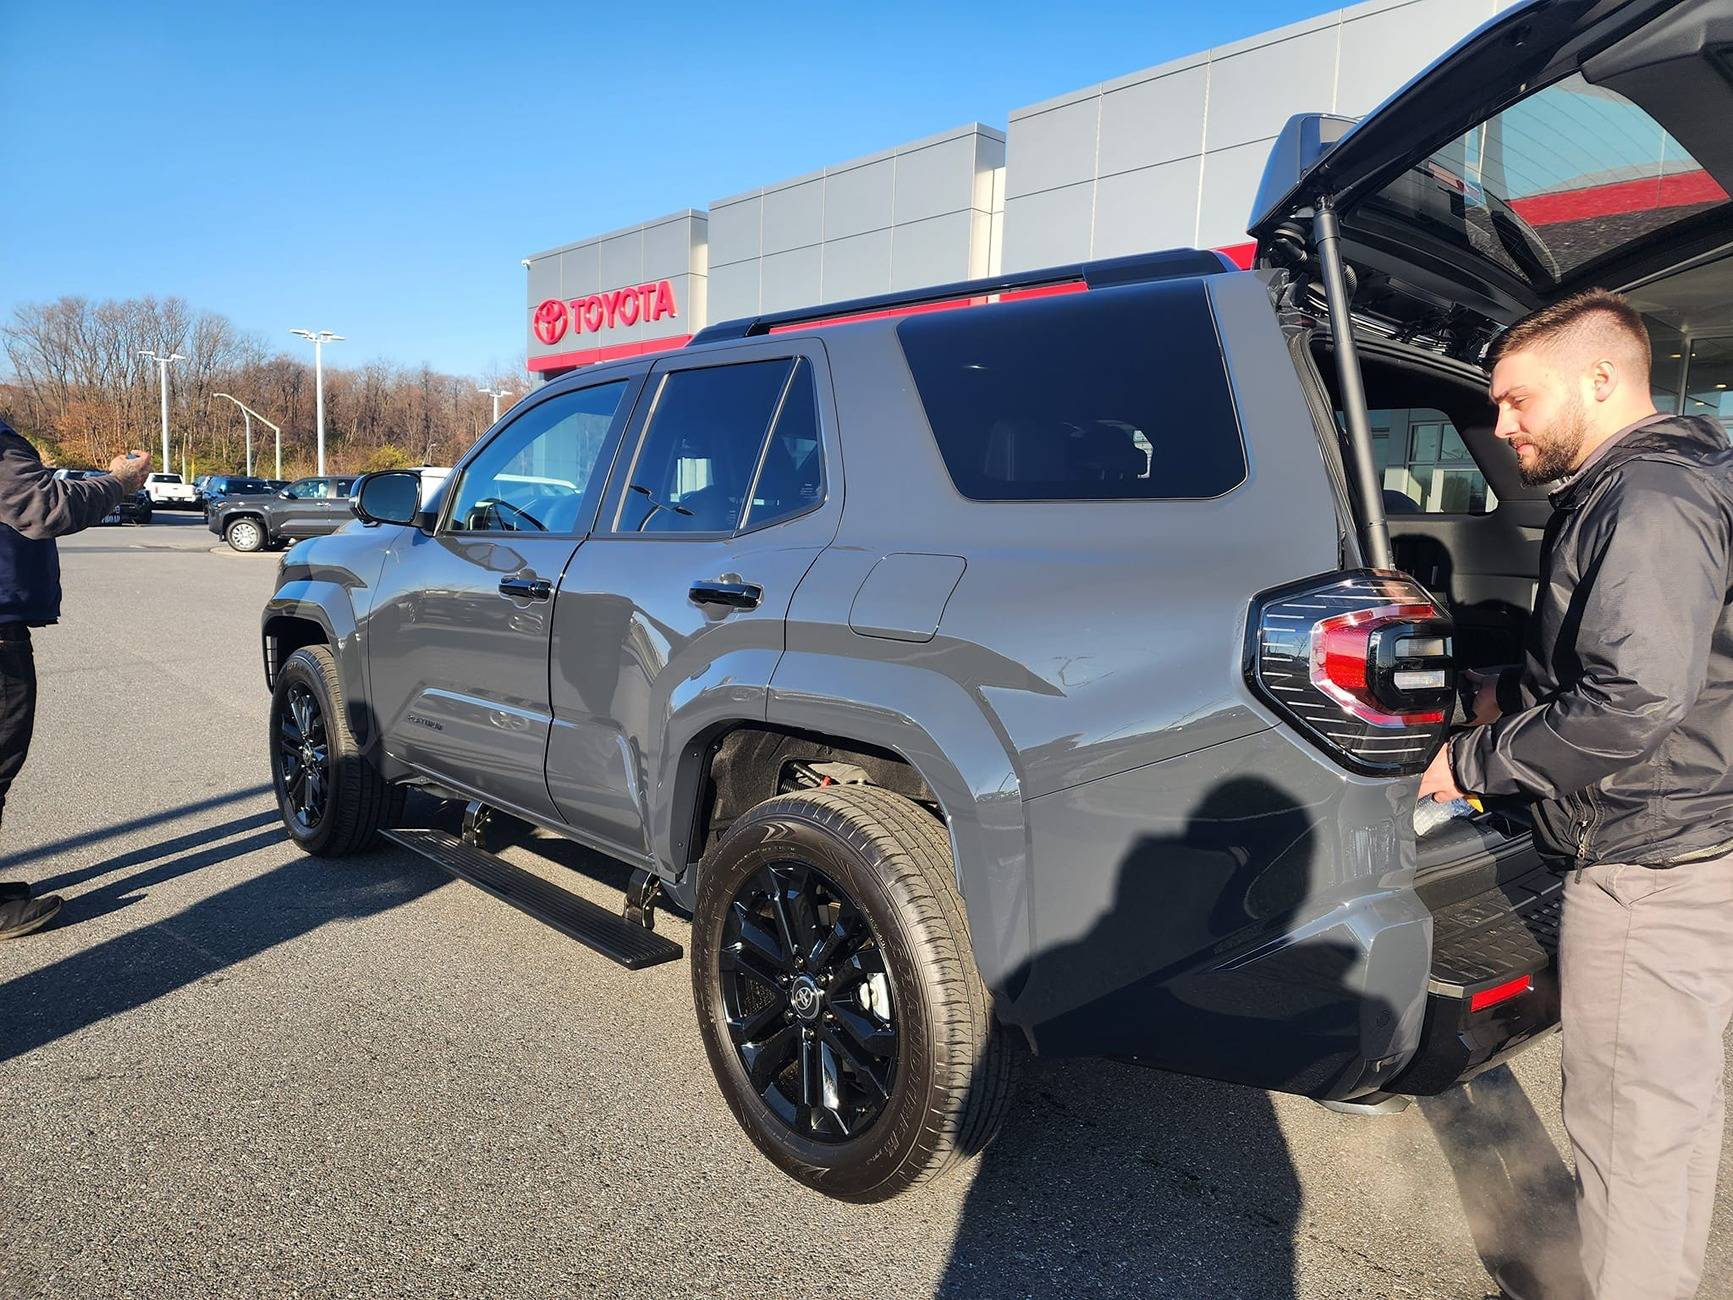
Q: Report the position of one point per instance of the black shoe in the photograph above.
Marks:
(11, 892)
(25, 915)
(1517, 1281)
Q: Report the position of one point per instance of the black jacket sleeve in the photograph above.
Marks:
(37, 504)
(1653, 579)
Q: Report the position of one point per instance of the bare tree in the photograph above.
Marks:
(78, 385)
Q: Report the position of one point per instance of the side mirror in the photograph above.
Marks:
(389, 497)
(287, 494)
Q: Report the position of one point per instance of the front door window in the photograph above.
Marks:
(539, 474)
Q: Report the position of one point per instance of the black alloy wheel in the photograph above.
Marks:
(809, 1003)
(332, 796)
(304, 752)
(837, 994)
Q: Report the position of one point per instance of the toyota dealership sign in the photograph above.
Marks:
(597, 313)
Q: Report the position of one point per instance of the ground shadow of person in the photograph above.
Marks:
(1111, 1180)
(1516, 1191)
(272, 907)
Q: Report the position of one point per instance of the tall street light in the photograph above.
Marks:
(319, 339)
(252, 415)
(496, 394)
(162, 383)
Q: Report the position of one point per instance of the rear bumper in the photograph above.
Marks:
(1493, 987)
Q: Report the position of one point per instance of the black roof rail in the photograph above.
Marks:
(1173, 263)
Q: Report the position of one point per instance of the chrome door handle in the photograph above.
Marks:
(526, 588)
(735, 595)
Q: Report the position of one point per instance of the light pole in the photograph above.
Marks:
(496, 394)
(252, 415)
(319, 339)
(162, 383)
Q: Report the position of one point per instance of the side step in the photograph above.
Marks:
(616, 938)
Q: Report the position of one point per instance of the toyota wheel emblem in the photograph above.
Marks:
(550, 321)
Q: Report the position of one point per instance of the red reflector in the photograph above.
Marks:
(1502, 993)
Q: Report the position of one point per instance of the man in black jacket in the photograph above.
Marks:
(1618, 727)
(35, 508)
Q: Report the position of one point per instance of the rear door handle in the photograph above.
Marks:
(735, 595)
(526, 588)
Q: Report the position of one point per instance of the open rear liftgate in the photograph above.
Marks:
(627, 938)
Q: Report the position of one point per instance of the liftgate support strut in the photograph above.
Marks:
(1374, 527)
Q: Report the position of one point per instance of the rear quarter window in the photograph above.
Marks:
(1106, 395)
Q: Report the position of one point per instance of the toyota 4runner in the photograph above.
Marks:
(1044, 661)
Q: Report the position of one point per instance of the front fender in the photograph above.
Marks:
(965, 762)
(325, 586)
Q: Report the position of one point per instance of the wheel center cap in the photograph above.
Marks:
(803, 996)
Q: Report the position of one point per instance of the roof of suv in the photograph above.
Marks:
(1170, 264)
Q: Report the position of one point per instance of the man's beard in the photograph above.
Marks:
(1555, 451)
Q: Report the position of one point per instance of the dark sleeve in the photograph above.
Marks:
(1510, 689)
(37, 504)
(1654, 566)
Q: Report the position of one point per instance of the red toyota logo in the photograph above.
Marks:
(550, 321)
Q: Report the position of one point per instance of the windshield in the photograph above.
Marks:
(1559, 180)
(237, 486)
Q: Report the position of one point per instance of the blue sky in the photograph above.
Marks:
(378, 170)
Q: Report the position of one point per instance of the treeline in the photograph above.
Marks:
(81, 390)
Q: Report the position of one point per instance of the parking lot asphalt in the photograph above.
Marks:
(233, 1070)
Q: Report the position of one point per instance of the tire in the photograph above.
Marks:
(356, 801)
(952, 1069)
(245, 534)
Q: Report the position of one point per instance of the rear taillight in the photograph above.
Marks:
(1360, 662)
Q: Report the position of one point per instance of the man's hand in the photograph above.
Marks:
(1485, 696)
(1438, 782)
(130, 469)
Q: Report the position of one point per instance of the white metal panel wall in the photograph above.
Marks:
(1173, 155)
(919, 214)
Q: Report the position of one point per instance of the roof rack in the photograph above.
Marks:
(1171, 264)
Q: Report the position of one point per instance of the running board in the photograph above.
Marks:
(616, 938)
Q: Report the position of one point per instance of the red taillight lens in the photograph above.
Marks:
(1360, 662)
(1345, 652)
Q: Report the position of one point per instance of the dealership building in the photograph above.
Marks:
(1154, 159)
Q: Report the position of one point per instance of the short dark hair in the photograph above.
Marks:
(1594, 320)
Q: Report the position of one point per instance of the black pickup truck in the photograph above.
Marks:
(308, 507)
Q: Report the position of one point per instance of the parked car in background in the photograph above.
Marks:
(133, 509)
(219, 487)
(308, 507)
(171, 491)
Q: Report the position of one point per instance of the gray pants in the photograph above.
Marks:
(1646, 974)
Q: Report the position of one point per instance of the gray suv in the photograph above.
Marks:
(1042, 663)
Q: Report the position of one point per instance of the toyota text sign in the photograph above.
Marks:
(598, 312)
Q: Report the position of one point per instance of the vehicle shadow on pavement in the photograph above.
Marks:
(1118, 1181)
(132, 969)
(1518, 1194)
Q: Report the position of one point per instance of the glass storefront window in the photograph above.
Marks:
(1706, 383)
(1666, 365)
(1421, 457)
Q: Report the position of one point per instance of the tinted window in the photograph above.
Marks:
(791, 479)
(1113, 394)
(700, 452)
(539, 473)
